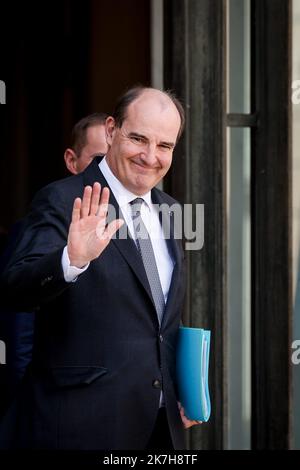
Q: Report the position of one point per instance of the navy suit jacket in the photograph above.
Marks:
(99, 355)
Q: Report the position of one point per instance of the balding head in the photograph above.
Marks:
(165, 98)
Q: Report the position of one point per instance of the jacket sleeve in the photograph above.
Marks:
(34, 274)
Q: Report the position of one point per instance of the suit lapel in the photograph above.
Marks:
(175, 250)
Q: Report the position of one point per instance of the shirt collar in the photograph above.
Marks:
(122, 195)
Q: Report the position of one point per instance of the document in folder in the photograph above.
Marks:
(192, 362)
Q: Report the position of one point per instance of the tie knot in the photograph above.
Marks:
(136, 205)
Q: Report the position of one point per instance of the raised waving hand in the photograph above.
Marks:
(88, 234)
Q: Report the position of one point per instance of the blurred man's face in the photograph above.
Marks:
(95, 144)
(140, 152)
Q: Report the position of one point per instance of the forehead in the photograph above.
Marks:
(153, 115)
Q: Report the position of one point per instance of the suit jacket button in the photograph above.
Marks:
(47, 279)
(156, 384)
(161, 338)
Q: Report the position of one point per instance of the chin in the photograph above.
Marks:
(141, 187)
(139, 191)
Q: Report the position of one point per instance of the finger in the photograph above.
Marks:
(112, 228)
(103, 205)
(95, 198)
(188, 423)
(86, 201)
(76, 210)
(104, 195)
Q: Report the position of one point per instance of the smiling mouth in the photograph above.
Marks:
(142, 167)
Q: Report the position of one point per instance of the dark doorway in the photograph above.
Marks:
(61, 61)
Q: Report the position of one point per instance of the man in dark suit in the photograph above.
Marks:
(110, 295)
(88, 140)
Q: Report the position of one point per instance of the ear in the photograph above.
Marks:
(70, 158)
(110, 126)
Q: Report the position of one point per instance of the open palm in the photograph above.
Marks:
(88, 234)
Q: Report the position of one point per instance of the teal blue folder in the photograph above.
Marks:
(192, 363)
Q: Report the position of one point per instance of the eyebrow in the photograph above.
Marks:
(141, 136)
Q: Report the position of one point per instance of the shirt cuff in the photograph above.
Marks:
(70, 272)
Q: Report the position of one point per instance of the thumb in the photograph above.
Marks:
(112, 228)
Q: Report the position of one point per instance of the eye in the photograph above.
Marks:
(165, 147)
(137, 139)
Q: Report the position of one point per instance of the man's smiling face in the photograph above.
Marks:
(141, 150)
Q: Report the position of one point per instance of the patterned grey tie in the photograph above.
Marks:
(145, 248)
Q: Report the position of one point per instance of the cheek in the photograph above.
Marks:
(85, 162)
(124, 153)
(166, 162)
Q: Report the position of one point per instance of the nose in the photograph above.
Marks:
(149, 155)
